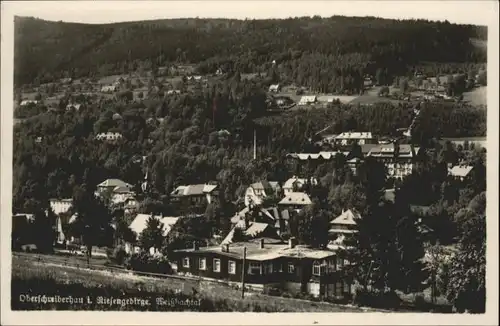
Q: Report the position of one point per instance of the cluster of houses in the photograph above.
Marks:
(110, 137)
(255, 245)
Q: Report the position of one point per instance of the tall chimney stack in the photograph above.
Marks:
(261, 244)
(225, 247)
(195, 245)
(291, 243)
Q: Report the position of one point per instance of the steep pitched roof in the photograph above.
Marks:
(114, 183)
(355, 135)
(254, 229)
(193, 190)
(272, 249)
(348, 217)
(460, 170)
(405, 150)
(140, 222)
(296, 198)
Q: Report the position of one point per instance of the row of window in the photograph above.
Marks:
(202, 265)
(269, 268)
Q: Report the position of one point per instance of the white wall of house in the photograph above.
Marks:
(60, 206)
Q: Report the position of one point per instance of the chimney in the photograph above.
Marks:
(195, 245)
(261, 244)
(291, 243)
(225, 247)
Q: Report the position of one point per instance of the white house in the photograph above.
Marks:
(108, 89)
(275, 88)
(130, 204)
(28, 102)
(73, 106)
(460, 172)
(344, 224)
(296, 200)
(120, 194)
(59, 206)
(260, 190)
(111, 184)
(195, 193)
(327, 98)
(295, 184)
(307, 99)
(399, 163)
(348, 138)
(109, 136)
(140, 223)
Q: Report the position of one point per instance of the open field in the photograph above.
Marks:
(26, 271)
(477, 96)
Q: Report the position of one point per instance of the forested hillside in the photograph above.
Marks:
(308, 48)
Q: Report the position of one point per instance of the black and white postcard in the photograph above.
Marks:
(269, 162)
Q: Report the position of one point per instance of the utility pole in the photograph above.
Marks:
(243, 273)
(254, 144)
(368, 274)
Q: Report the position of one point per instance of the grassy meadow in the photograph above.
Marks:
(41, 278)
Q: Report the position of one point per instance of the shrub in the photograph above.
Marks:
(117, 255)
(274, 291)
(143, 262)
(375, 299)
(419, 300)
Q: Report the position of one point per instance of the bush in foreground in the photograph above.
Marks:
(143, 262)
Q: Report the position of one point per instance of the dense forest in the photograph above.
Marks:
(205, 133)
(308, 50)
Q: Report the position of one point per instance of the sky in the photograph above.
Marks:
(466, 12)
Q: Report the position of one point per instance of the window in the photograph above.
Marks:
(268, 268)
(216, 265)
(202, 264)
(291, 268)
(331, 265)
(316, 268)
(346, 287)
(231, 267)
(338, 289)
(254, 268)
(185, 262)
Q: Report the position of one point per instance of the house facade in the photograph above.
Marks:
(255, 194)
(349, 138)
(268, 263)
(307, 100)
(109, 185)
(295, 201)
(73, 106)
(297, 184)
(198, 194)
(140, 223)
(344, 224)
(400, 160)
(297, 161)
(274, 216)
(275, 88)
(59, 205)
(111, 137)
(460, 172)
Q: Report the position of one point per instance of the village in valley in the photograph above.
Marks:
(271, 181)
